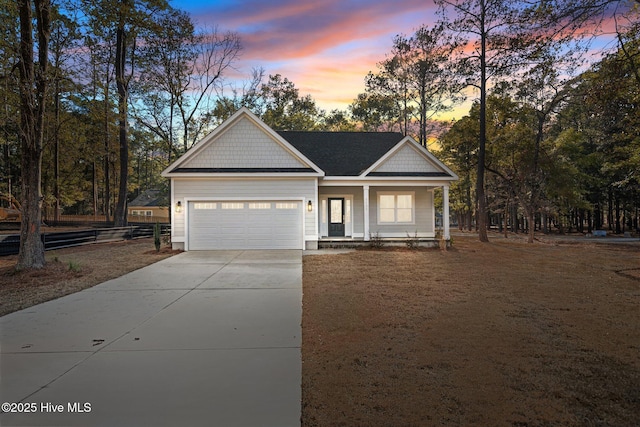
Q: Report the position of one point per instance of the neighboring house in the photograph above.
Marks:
(246, 186)
(148, 204)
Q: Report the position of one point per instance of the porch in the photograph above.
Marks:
(353, 215)
(348, 242)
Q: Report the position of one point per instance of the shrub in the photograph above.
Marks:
(413, 242)
(157, 236)
(75, 267)
(375, 241)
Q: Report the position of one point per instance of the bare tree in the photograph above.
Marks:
(123, 46)
(129, 22)
(185, 69)
(494, 42)
(33, 90)
(216, 53)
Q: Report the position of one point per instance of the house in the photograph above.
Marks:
(150, 205)
(246, 186)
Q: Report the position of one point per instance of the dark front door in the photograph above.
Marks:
(336, 217)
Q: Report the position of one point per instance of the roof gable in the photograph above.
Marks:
(343, 153)
(408, 158)
(149, 198)
(242, 144)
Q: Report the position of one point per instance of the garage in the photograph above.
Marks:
(245, 224)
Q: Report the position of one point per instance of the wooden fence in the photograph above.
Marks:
(10, 243)
(91, 219)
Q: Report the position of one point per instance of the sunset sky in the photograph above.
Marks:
(325, 47)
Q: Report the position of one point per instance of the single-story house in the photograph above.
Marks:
(148, 205)
(246, 186)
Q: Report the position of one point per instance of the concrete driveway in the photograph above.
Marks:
(199, 339)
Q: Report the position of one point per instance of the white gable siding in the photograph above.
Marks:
(407, 160)
(236, 189)
(244, 145)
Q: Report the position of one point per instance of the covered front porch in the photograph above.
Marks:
(353, 214)
(343, 243)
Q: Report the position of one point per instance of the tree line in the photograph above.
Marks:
(552, 140)
(99, 96)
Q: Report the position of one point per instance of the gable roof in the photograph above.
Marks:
(343, 153)
(408, 158)
(242, 144)
(149, 198)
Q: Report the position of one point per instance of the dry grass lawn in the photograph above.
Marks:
(71, 270)
(498, 334)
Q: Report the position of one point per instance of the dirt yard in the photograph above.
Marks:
(498, 334)
(71, 270)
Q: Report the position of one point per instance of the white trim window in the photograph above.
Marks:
(232, 205)
(260, 206)
(204, 205)
(141, 213)
(396, 208)
(285, 205)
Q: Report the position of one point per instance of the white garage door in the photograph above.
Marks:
(245, 225)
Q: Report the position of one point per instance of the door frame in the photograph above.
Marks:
(343, 223)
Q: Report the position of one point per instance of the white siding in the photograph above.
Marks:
(191, 189)
(407, 160)
(357, 210)
(244, 145)
(423, 210)
(423, 213)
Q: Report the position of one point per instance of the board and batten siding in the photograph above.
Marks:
(247, 189)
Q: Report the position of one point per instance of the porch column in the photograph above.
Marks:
(365, 189)
(445, 212)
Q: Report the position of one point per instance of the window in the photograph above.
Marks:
(230, 205)
(286, 206)
(203, 206)
(395, 208)
(259, 205)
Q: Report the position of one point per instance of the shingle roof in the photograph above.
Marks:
(148, 198)
(342, 153)
(241, 170)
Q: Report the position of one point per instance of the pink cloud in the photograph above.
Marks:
(326, 47)
(293, 29)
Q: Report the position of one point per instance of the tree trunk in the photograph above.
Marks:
(469, 213)
(33, 87)
(95, 190)
(610, 210)
(481, 216)
(531, 219)
(506, 218)
(120, 215)
(107, 180)
(56, 154)
(618, 215)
